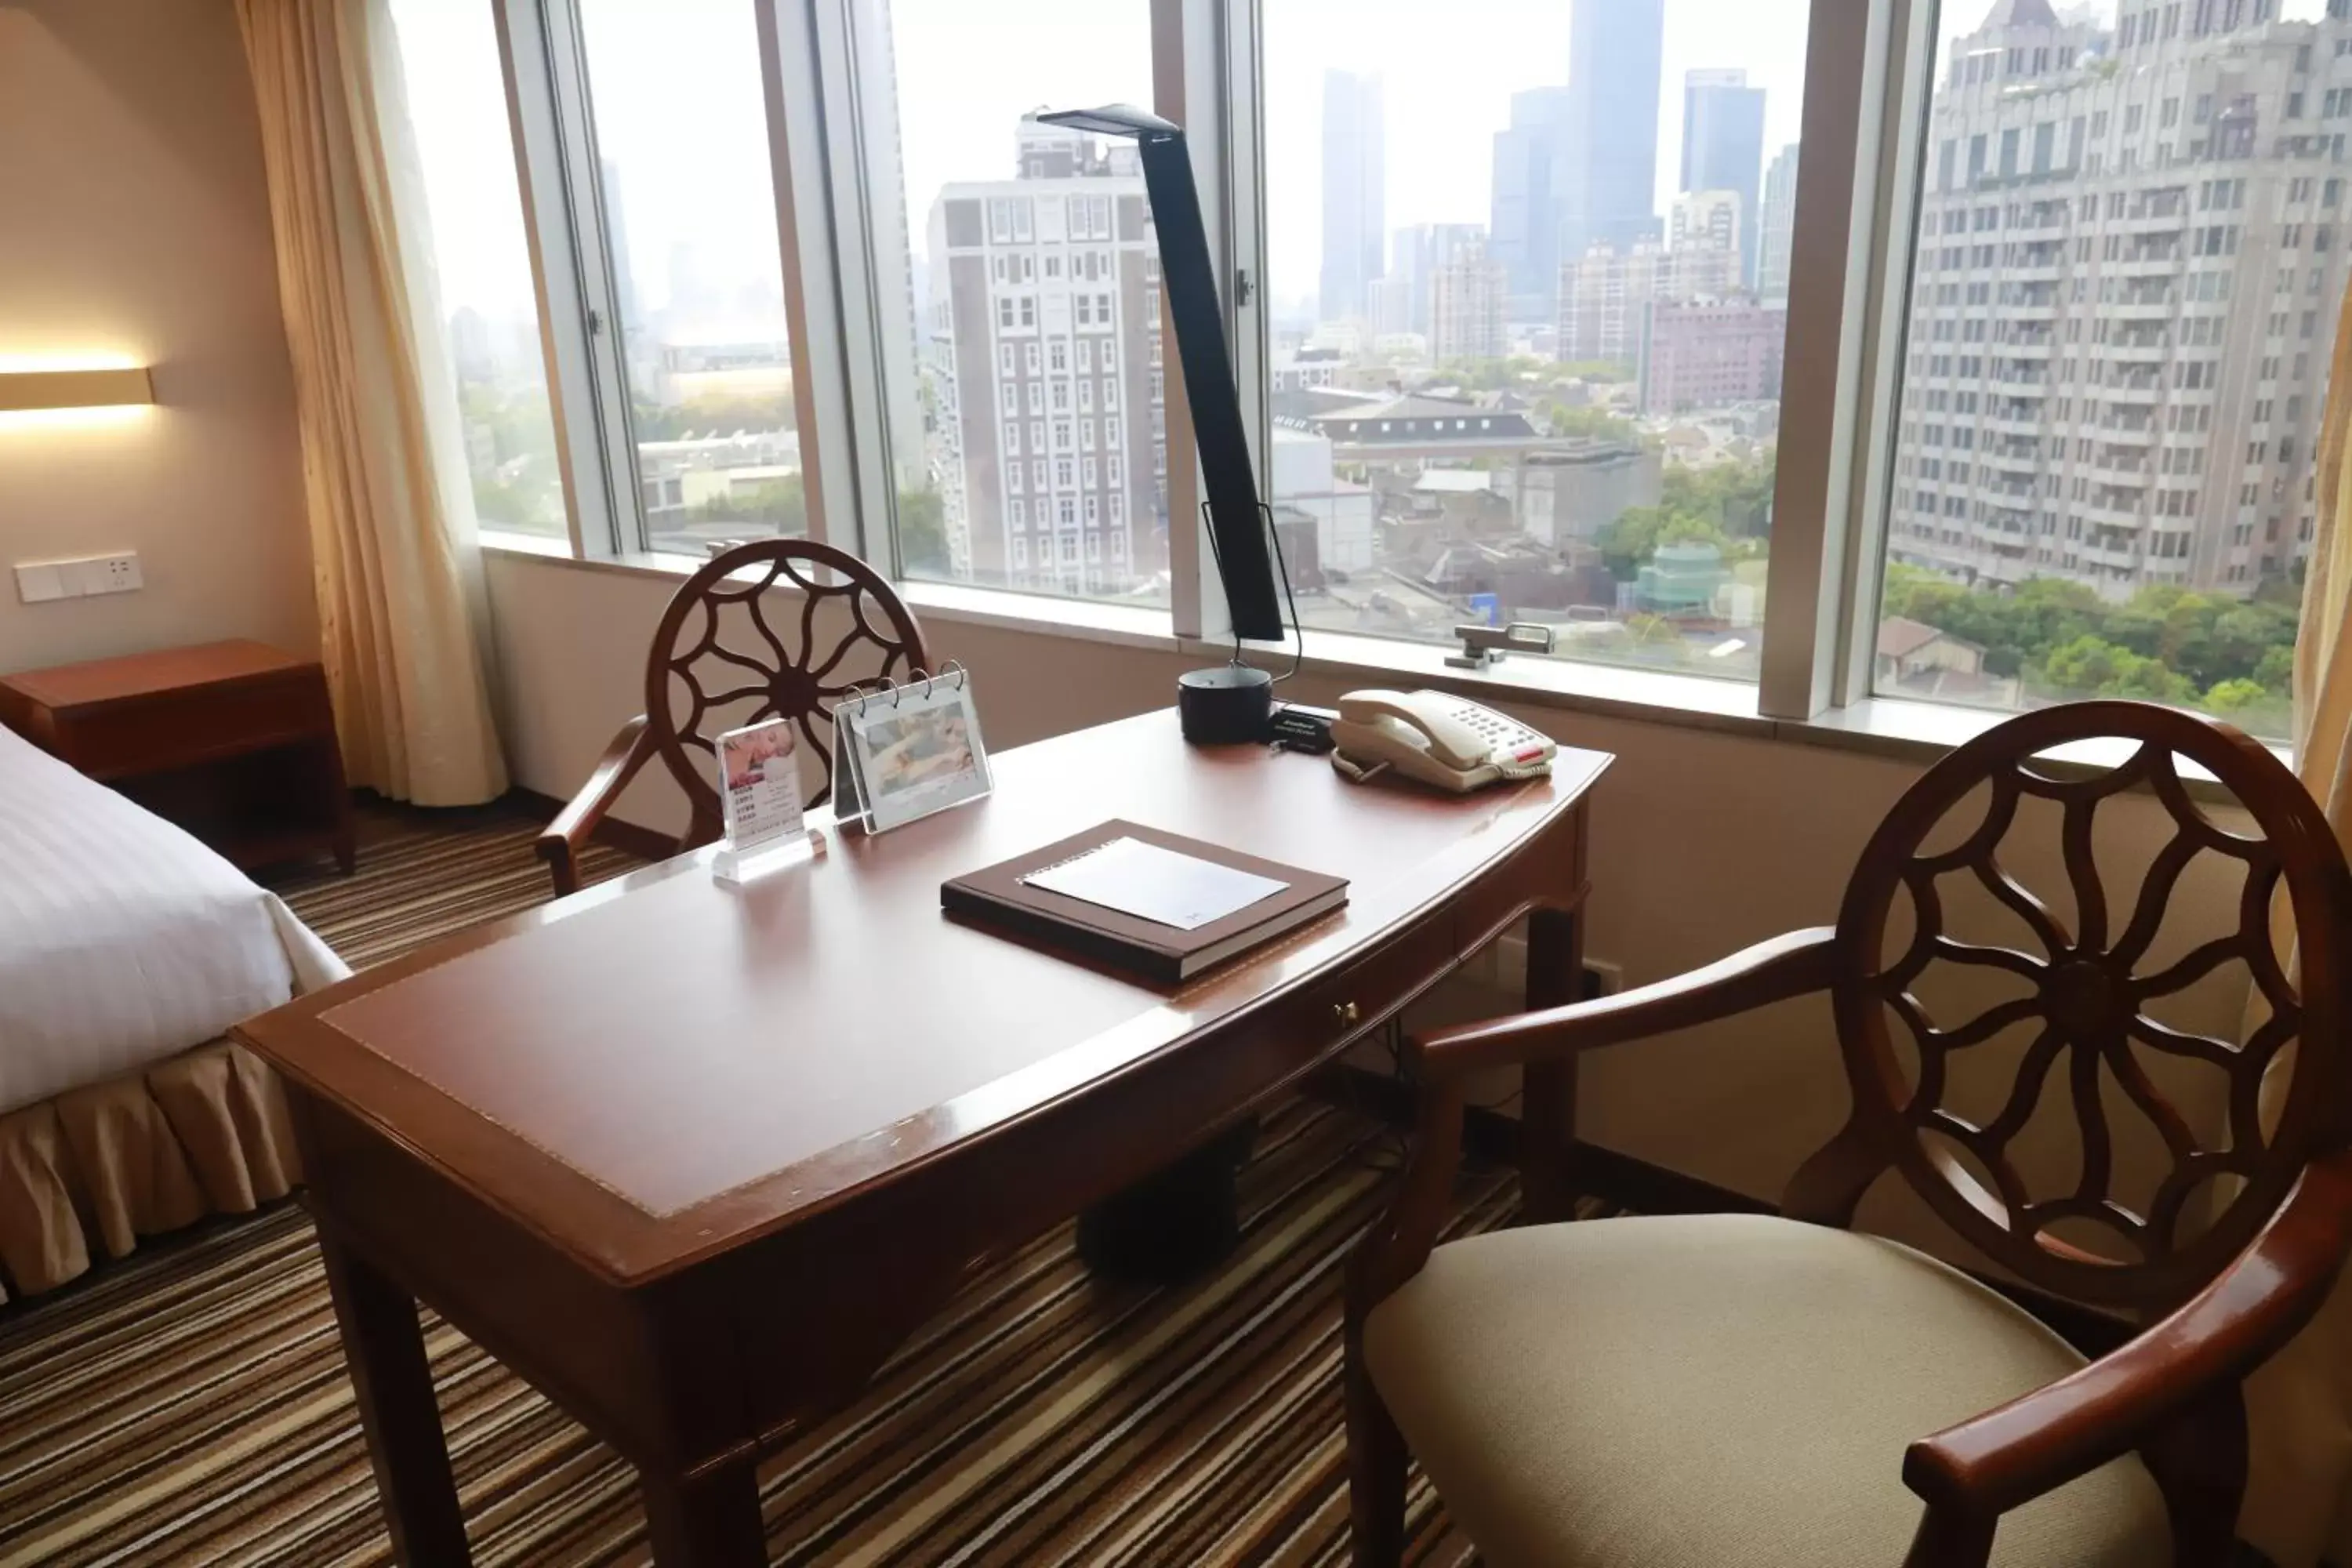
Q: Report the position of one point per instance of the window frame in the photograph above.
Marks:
(1869, 80)
(551, 107)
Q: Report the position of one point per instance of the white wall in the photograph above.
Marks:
(134, 221)
(1703, 842)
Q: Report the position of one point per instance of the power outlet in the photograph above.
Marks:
(111, 574)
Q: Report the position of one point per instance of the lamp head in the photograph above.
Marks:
(1114, 120)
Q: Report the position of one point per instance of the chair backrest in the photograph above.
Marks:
(2082, 1012)
(717, 661)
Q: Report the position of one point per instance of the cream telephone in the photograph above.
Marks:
(1436, 739)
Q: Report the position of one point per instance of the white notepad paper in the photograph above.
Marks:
(1155, 884)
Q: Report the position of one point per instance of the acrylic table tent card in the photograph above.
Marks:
(760, 788)
(906, 752)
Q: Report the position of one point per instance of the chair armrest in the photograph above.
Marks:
(1793, 965)
(1393, 1248)
(560, 844)
(2040, 1441)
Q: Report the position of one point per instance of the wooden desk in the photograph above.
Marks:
(693, 1159)
(232, 740)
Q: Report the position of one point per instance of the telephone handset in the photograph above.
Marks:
(1436, 739)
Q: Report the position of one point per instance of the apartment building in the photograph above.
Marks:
(2131, 243)
(1046, 345)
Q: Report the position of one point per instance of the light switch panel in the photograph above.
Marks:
(41, 581)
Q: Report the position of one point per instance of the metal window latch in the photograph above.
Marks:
(1242, 287)
(595, 322)
(1482, 646)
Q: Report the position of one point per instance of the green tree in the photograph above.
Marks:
(1597, 423)
(774, 506)
(923, 533)
(2165, 643)
(1638, 532)
(2235, 697)
(2092, 666)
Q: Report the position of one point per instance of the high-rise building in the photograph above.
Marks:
(1708, 220)
(1606, 173)
(1466, 297)
(1723, 147)
(1605, 294)
(1045, 338)
(1708, 354)
(2131, 246)
(1355, 173)
(1524, 211)
(1780, 228)
(1407, 274)
(1416, 252)
(1388, 305)
(1451, 242)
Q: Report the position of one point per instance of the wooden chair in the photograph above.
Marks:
(684, 715)
(1728, 1390)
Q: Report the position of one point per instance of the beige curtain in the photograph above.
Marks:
(392, 514)
(2299, 1501)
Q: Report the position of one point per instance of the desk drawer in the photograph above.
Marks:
(177, 729)
(1375, 987)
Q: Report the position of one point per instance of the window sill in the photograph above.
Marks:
(1893, 727)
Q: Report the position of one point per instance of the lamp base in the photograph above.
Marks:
(1230, 705)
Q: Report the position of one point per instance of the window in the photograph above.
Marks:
(1569, 418)
(481, 263)
(689, 210)
(972, 173)
(1513, 367)
(2161, 589)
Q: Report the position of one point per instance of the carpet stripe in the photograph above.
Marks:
(190, 1404)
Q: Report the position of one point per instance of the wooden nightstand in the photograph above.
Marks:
(232, 740)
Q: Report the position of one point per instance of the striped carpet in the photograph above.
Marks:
(191, 1404)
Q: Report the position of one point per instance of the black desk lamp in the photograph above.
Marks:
(1230, 702)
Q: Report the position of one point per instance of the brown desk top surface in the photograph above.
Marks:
(654, 1067)
(147, 674)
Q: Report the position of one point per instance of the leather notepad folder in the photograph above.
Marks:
(999, 898)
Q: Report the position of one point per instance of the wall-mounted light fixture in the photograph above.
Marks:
(24, 391)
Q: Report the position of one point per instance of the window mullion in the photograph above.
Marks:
(539, 44)
(823, 64)
(1901, 115)
(1189, 68)
(1825, 389)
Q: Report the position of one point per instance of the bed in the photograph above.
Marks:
(127, 950)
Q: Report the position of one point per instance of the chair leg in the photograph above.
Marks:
(2199, 1460)
(1376, 1466)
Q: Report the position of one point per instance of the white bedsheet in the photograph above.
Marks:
(122, 940)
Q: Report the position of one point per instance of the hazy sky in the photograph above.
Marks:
(678, 97)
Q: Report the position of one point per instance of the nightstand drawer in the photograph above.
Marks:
(178, 729)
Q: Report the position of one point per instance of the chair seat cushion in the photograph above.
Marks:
(1718, 1391)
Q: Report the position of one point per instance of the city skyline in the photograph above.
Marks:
(965, 79)
(1637, 497)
